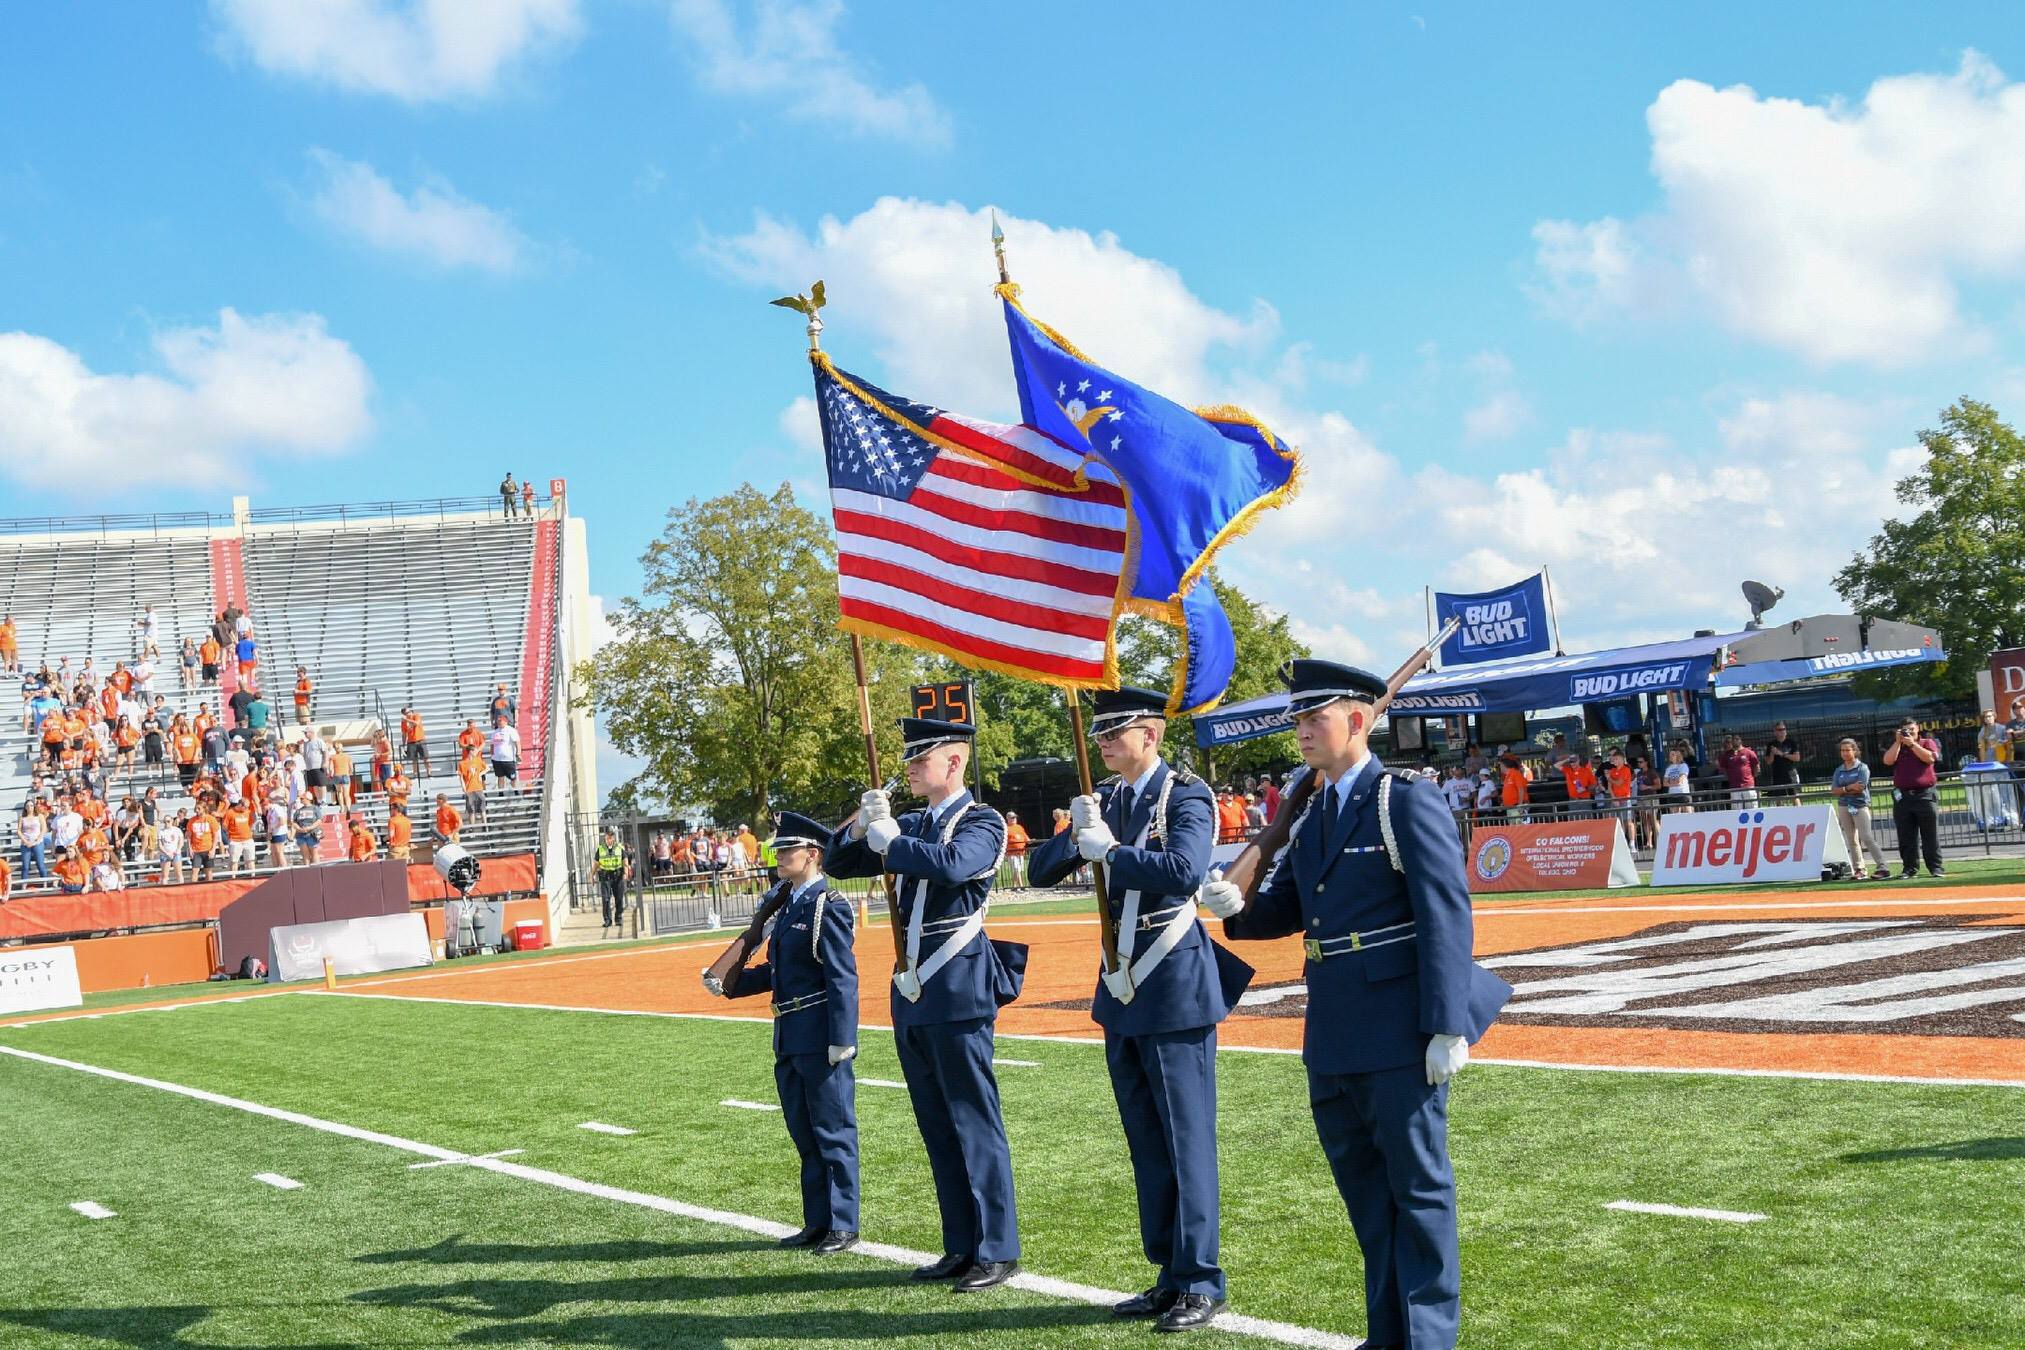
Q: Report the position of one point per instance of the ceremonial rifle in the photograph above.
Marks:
(721, 976)
(1249, 868)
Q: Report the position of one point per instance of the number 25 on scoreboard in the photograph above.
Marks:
(948, 701)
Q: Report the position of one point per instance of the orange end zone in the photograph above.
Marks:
(1061, 974)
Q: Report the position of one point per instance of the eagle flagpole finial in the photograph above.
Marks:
(808, 304)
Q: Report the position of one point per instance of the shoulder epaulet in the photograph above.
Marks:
(1183, 776)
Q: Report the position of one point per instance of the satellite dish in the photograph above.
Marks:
(1760, 598)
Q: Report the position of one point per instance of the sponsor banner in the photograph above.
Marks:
(1494, 624)
(1592, 686)
(1568, 855)
(35, 978)
(365, 946)
(2007, 679)
(1241, 722)
(1784, 843)
(1835, 663)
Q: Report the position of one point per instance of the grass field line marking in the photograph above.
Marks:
(1224, 1047)
(881, 1082)
(599, 1127)
(1685, 1212)
(1019, 1063)
(537, 963)
(741, 1104)
(1718, 1071)
(148, 1007)
(92, 1209)
(1283, 1332)
(466, 1158)
(278, 1181)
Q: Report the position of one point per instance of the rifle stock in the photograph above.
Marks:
(1249, 868)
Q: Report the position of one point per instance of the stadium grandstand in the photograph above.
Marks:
(424, 615)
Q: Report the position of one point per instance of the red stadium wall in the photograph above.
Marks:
(160, 906)
(535, 655)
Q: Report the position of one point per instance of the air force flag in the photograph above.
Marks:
(1495, 624)
(1195, 479)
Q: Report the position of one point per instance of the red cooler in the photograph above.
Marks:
(527, 935)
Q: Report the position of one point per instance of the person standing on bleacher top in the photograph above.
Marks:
(415, 741)
(509, 495)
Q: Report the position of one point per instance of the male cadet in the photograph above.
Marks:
(947, 995)
(1373, 880)
(813, 977)
(1153, 833)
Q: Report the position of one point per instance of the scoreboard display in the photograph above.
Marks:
(945, 701)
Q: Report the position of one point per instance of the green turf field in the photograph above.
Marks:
(1895, 1213)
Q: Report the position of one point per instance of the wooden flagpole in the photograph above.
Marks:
(1107, 926)
(872, 768)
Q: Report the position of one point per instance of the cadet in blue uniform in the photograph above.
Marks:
(1152, 832)
(946, 998)
(813, 977)
(1373, 881)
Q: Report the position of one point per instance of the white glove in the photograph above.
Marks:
(874, 805)
(1119, 982)
(713, 984)
(909, 985)
(1094, 842)
(880, 833)
(840, 1053)
(1223, 898)
(1445, 1057)
(1084, 812)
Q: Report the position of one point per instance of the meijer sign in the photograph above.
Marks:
(34, 978)
(1784, 843)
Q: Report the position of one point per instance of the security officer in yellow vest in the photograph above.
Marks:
(1152, 832)
(614, 871)
(813, 976)
(1373, 880)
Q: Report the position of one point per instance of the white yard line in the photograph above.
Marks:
(149, 1007)
(744, 1105)
(278, 1181)
(599, 1127)
(1282, 1332)
(463, 1158)
(1685, 1212)
(92, 1209)
(882, 1082)
(1018, 1063)
(1874, 902)
(1224, 1047)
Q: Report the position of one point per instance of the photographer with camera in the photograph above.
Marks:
(1911, 758)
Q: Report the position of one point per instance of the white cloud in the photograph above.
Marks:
(1840, 232)
(419, 52)
(789, 54)
(800, 424)
(432, 224)
(271, 384)
(1643, 536)
(1502, 415)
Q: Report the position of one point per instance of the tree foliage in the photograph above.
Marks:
(1957, 563)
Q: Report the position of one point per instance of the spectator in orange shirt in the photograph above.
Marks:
(1513, 791)
(1615, 793)
(527, 496)
(383, 758)
(337, 769)
(1579, 772)
(71, 872)
(448, 823)
(414, 740)
(239, 834)
(471, 738)
(6, 878)
(185, 747)
(362, 846)
(1016, 843)
(210, 654)
(10, 645)
(93, 846)
(399, 789)
(304, 687)
(400, 837)
(1230, 816)
(55, 735)
(201, 834)
(471, 772)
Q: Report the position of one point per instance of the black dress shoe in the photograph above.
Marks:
(949, 1267)
(986, 1274)
(1191, 1312)
(837, 1240)
(808, 1237)
(1152, 1303)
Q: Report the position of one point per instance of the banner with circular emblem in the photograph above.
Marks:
(1564, 855)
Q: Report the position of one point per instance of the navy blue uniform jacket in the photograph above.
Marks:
(810, 953)
(1375, 1008)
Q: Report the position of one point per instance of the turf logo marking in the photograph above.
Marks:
(278, 1181)
(92, 1209)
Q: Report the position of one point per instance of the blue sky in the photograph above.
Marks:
(1660, 297)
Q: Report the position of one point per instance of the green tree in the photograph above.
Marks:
(1958, 563)
(728, 675)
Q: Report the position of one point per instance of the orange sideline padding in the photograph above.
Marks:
(160, 906)
(145, 960)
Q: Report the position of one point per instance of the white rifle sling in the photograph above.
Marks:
(1176, 927)
(1385, 822)
(921, 971)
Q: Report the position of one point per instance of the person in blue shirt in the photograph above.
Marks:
(813, 976)
(1372, 879)
(947, 991)
(1152, 830)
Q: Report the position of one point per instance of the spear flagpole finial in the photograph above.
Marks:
(808, 303)
(998, 249)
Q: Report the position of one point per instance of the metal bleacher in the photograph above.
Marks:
(385, 611)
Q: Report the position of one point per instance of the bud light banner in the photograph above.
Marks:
(1495, 624)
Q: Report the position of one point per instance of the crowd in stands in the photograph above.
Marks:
(133, 783)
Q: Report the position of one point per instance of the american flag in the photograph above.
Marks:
(971, 539)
